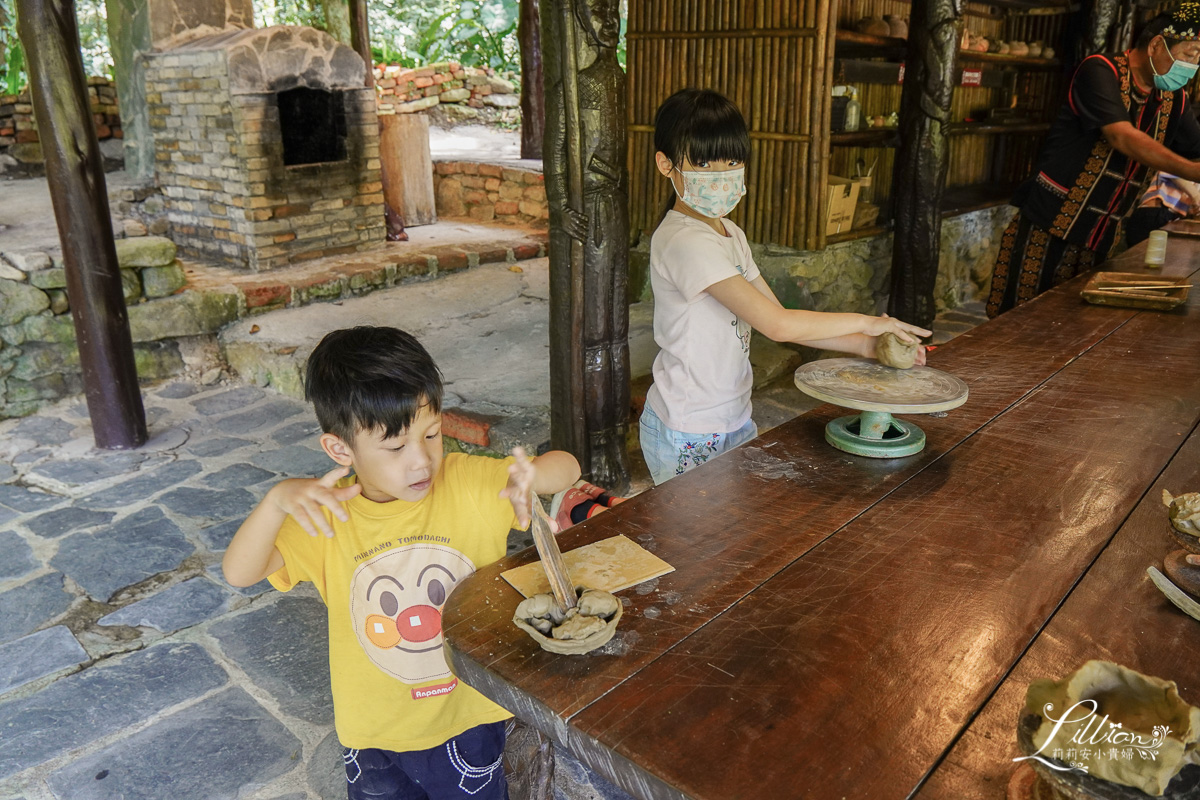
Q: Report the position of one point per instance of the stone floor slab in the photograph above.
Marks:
(219, 748)
(62, 521)
(178, 607)
(227, 401)
(82, 471)
(217, 537)
(238, 475)
(209, 503)
(294, 461)
(207, 448)
(143, 486)
(45, 430)
(261, 416)
(27, 607)
(306, 431)
(129, 551)
(18, 556)
(101, 700)
(19, 498)
(38, 655)
(284, 648)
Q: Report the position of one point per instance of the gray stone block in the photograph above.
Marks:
(163, 281)
(574, 781)
(217, 537)
(238, 475)
(143, 544)
(45, 430)
(217, 447)
(31, 605)
(6, 472)
(222, 747)
(142, 487)
(82, 471)
(231, 400)
(19, 300)
(327, 770)
(177, 390)
(18, 498)
(284, 648)
(103, 699)
(295, 461)
(38, 655)
(186, 314)
(18, 557)
(260, 416)
(209, 503)
(145, 251)
(217, 575)
(62, 521)
(181, 606)
(307, 431)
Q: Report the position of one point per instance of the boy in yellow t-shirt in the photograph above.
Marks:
(384, 548)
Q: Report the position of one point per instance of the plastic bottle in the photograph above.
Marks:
(853, 111)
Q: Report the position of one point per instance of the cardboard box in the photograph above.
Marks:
(842, 198)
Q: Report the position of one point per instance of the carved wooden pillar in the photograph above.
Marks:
(919, 179)
(533, 112)
(1099, 23)
(77, 189)
(586, 185)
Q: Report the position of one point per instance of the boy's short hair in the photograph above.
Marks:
(369, 378)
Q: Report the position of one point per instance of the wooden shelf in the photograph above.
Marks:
(995, 128)
(999, 58)
(859, 233)
(854, 38)
(879, 137)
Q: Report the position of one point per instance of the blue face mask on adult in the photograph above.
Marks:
(1178, 76)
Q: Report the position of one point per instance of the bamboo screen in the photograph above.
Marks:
(771, 57)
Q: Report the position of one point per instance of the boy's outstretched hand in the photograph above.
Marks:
(519, 490)
(302, 498)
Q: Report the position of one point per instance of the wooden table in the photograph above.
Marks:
(842, 627)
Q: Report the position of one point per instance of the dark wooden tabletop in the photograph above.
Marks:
(843, 627)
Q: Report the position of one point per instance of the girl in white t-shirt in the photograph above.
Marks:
(708, 294)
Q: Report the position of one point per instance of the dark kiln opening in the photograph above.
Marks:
(312, 123)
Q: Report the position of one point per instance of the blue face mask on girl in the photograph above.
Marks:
(1178, 76)
(713, 194)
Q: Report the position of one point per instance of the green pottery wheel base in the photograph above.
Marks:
(875, 434)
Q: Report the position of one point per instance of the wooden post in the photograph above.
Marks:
(533, 112)
(584, 160)
(919, 178)
(360, 40)
(404, 157)
(77, 189)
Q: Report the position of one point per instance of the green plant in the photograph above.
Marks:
(12, 54)
(479, 33)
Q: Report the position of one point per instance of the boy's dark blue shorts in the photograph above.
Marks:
(471, 765)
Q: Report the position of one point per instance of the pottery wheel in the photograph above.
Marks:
(878, 392)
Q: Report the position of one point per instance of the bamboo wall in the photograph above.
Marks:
(771, 58)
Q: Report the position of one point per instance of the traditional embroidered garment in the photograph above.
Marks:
(1083, 187)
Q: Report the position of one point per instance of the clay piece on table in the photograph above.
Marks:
(892, 351)
(1185, 511)
(1018, 49)
(1035, 49)
(1103, 698)
(1183, 574)
(591, 624)
(873, 26)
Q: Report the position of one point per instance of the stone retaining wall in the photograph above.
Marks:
(401, 90)
(19, 132)
(486, 192)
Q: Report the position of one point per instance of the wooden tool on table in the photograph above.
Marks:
(551, 556)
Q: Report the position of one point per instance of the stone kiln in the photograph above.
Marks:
(266, 146)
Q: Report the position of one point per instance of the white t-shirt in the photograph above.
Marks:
(702, 375)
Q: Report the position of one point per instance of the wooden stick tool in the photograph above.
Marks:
(551, 556)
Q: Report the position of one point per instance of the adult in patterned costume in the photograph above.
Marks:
(1127, 116)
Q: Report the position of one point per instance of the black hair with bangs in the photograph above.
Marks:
(700, 125)
(371, 378)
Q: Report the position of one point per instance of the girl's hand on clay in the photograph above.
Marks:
(877, 326)
(519, 490)
(303, 498)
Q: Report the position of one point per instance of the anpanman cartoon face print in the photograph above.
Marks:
(396, 601)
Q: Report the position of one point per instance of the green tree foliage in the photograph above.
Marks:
(477, 33)
(93, 44)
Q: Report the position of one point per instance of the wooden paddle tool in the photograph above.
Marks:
(551, 556)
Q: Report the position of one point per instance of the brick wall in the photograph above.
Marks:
(404, 91)
(486, 192)
(17, 125)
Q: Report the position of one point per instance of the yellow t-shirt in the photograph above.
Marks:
(384, 577)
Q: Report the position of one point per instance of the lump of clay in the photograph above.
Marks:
(1147, 712)
(1185, 511)
(595, 603)
(892, 351)
(578, 626)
